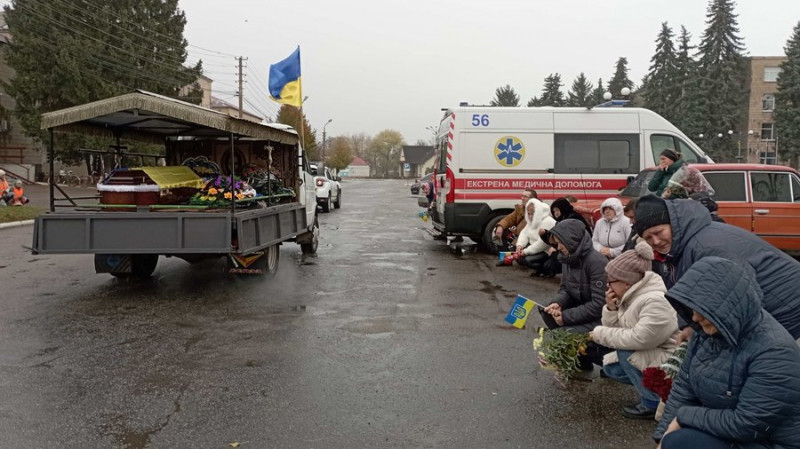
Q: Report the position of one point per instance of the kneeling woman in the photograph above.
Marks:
(638, 322)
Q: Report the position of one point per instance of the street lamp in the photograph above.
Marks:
(402, 165)
(324, 140)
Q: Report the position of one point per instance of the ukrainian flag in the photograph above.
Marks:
(519, 312)
(284, 80)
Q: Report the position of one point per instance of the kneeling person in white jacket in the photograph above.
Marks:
(531, 249)
(638, 322)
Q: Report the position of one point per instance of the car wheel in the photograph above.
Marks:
(338, 203)
(487, 241)
(326, 207)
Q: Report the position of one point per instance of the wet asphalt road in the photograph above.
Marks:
(387, 338)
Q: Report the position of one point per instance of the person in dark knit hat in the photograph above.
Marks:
(669, 163)
(638, 323)
(681, 232)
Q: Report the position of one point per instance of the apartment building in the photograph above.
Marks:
(758, 140)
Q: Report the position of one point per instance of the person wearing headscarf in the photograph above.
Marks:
(561, 210)
(669, 163)
(638, 323)
(739, 384)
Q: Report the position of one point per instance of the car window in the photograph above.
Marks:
(687, 153)
(795, 189)
(638, 187)
(728, 186)
(771, 187)
(661, 142)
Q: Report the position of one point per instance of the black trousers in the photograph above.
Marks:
(533, 261)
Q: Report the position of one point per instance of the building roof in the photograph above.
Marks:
(218, 103)
(418, 154)
(357, 161)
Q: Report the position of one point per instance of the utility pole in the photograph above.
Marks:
(241, 88)
(324, 140)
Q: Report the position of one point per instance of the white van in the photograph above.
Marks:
(486, 156)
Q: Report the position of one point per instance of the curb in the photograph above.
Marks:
(15, 224)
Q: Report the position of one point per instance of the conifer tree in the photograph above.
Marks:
(581, 92)
(620, 78)
(688, 103)
(505, 96)
(534, 102)
(721, 75)
(597, 93)
(787, 101)
(660, 83)
(551, 93)
(67, 52)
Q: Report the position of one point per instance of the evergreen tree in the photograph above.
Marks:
(597, 94)
(505, 96)
(620, 79)
(581, 92)
(290, 115)
(662, 92)
(787, 101)
(687, 114)
(534, 102)
(721, 70)
(66, 52)
(551, 93)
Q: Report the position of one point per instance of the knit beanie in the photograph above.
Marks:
(650, 211)
(631, 265)
(670, 154)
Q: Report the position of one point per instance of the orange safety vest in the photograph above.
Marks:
(3, 185)
(18, 192)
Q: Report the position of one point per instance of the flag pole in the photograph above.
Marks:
(302, 128)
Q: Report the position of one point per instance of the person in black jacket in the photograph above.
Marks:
(561, 210)
(578, 306)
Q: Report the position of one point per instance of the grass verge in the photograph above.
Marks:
(19, 213)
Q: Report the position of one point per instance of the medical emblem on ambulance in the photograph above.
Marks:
(509, 151)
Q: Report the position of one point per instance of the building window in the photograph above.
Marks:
(768, 103)
(771, 74)
(767, 131)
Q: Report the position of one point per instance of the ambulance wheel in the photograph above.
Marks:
(487, 241)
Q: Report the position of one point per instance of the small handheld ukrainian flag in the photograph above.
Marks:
(284, 80)
(519, 311)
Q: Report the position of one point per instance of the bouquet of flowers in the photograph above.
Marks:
(559, 350)
(220, 191)
(659, 379)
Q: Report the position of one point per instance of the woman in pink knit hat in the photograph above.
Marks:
(638, 322)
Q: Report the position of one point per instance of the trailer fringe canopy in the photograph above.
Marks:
(145, 114)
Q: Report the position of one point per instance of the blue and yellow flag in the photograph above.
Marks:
(519, 312)
(284, 80)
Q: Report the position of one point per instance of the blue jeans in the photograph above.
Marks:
(626, 373)
(688, 438)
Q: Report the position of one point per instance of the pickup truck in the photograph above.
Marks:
(127, 239)
(763, 199)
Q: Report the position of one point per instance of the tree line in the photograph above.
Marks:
(702, 90)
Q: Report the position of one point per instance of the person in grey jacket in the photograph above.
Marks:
(578, 305)
(612, 230)
(739, 384)
(681, 232)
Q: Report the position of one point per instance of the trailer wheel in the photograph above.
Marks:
(488, 233)
(143, 265)
(272, 255)
(311, 248)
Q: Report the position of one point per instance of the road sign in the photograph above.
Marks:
(406, 167)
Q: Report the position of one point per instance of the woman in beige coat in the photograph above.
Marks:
(638, 322)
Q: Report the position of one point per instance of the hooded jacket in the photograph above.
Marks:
(740, 384)
(644, 323)
(695, 235)
(581, 294)
(529, 238)
(614, 233)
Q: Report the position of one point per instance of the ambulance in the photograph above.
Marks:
(486, 157)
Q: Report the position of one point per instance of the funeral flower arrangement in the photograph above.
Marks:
(220, 191)
(559, 350)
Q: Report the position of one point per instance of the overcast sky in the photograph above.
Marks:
(375, 65)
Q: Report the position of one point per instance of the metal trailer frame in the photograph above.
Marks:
(154, 117)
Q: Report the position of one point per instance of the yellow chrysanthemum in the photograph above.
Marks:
(240, 195)
(228, 195)
(212, 191)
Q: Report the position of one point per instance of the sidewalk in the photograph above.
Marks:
(39, 196)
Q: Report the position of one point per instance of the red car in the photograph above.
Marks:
(764, 199)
